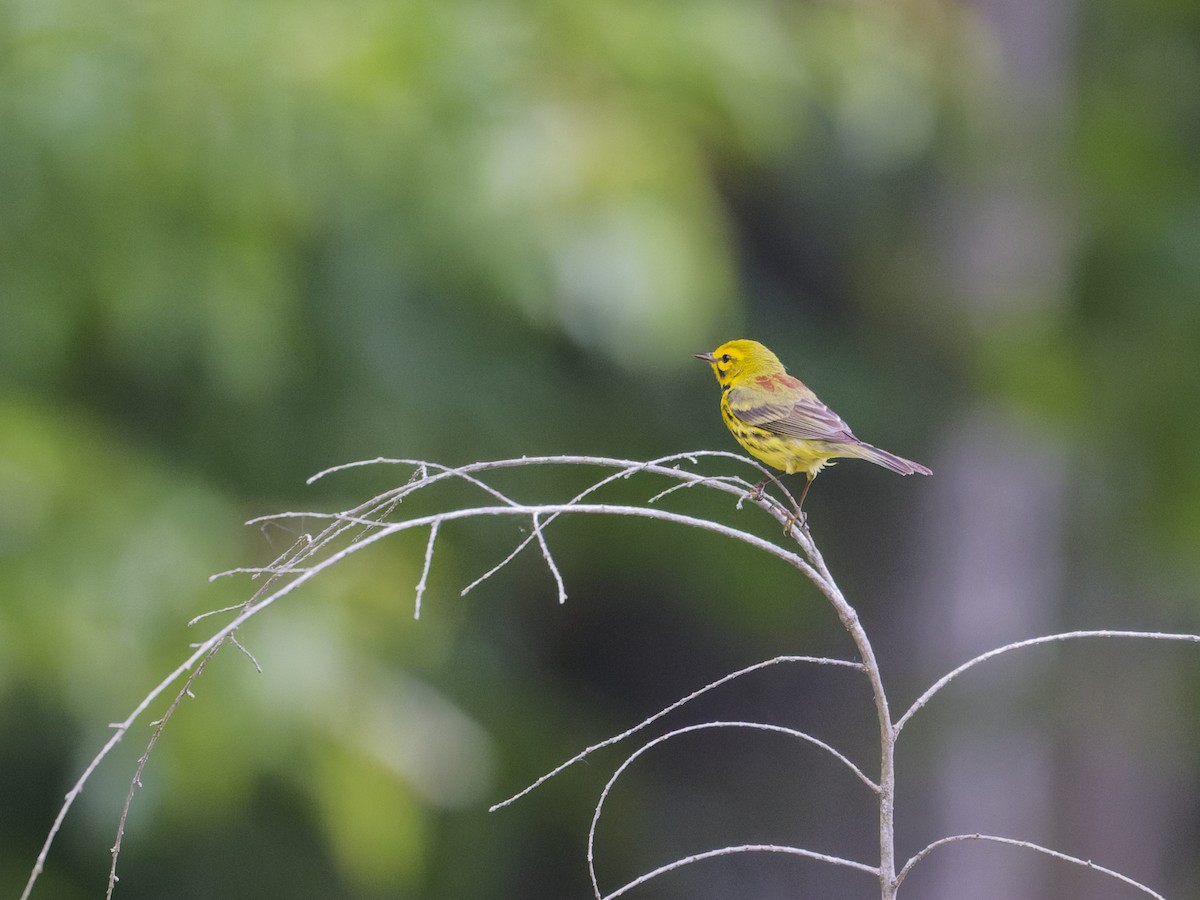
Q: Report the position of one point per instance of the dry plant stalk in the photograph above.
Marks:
(345, 533)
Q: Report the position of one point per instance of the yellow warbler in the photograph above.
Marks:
(780, 421)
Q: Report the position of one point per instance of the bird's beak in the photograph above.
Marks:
(707, 357)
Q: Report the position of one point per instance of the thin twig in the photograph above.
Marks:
(1033, 642)
(496, 568)
(39, 864)
(682, 486)
(250, 656)
(136, 782)
(608, 742)
(1026, 845)
(743, 848)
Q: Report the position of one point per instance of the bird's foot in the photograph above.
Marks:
(797, 519)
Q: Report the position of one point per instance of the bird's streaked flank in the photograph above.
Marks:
(778, 420)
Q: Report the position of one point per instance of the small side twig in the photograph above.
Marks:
(420, 590)
(550, 563)
(250, 656)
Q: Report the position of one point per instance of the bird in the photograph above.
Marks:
(780, 421)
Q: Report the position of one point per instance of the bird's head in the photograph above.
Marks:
(741, 359)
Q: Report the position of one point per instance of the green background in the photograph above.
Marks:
(242, 242)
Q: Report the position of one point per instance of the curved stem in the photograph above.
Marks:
(1033, 642)
(888, 883)
(705, 726)
(617, 738)
(743, 848)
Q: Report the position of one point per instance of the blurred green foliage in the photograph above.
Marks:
(240, 242)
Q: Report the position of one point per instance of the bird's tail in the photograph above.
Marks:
(897, 464)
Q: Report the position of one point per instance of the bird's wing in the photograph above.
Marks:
(804, 417)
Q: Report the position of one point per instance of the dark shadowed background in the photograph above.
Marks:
(241, 242)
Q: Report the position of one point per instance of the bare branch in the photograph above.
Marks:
(1026, 845)
(625, 468)
(377, 461)
(370, 519)
(546, 511)
(496, 568)
(338, 518)
(579, 757)
(136, 782)
(1033, 642)
(705, 726)
(659, 464)
(214, 612)
(727, 479)
(345, 533)
(40, 863)
(743, 848)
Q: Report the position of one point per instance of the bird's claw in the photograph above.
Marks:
(795, 520)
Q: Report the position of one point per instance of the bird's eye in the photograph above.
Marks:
(726, 359)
